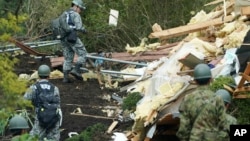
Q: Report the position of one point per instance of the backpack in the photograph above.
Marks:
(62, 25)
(47, 105)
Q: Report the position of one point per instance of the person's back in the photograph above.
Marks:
(32, 94)
(202, 114)
(210, 120)
(200, 111)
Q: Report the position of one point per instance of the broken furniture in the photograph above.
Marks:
(242, 89)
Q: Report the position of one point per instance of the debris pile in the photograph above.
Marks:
(212, 38)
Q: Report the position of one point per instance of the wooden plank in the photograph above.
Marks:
(26, 48)
(241, 96)
(93, 116)
(190, 61)
(174, 32)
(245, 10)
(214, 2)
(112, 126)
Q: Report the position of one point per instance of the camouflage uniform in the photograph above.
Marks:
(54, 133)
(202, 117)
(78, 48)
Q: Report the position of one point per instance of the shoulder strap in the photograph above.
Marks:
(39, 89)
(69, 18)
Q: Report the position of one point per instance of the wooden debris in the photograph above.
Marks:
(245, 10)
(78, 112)
(191, 60)
(214, 2)
(112, 126)
(93, 116)
(241, 87)
(182, 30)
(26, 48)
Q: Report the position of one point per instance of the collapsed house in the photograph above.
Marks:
(219, 38)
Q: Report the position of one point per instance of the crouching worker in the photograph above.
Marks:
(17, 126)
(227, 98)
(46, 99)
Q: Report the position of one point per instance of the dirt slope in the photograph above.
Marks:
(79, 94)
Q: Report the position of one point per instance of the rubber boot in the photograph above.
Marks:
(66, 77)
(76, 72)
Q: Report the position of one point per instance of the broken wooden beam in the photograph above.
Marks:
(26, 48)
(93, 116)
(182, 30)
(112, 126)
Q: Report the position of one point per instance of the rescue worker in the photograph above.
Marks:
(30, 94)
(227, 98)
(202, 114)
(78, 48)
(18, 125)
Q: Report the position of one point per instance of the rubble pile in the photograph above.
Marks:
(212, 38)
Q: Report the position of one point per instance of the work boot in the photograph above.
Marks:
(66, 77)
(76, 72)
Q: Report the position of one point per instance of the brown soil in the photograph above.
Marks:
(86, 95)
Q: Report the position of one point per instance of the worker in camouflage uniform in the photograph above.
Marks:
(18, 126)
(202, 114)
(227, 98)
(78, 48)
(43, 134)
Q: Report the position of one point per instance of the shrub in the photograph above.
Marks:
(130, 101)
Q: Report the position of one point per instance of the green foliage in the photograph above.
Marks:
(24, 137)
(130, 101)
(10, 26)
(134, 22)
(89, 133)
(218, 82)
(11, 89)
(3, 124)
(241, 110)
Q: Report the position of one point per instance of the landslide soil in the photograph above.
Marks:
(86, 95)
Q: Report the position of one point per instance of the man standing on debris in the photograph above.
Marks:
(202, 113)
(45, 92)
(78, 48)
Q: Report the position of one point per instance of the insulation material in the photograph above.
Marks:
(204, 47)
(56, 74)
(34, 76)
(23, 77)
(157, 63)
(136, 71)
(140, 87)
(142, 47)
(236, 38)
(201, 16)
(162, 88)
